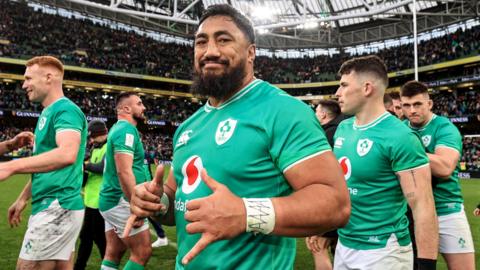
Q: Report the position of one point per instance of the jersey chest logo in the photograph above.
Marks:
(426, 140)
(225, 131)
(42, 122)
(364, 146)
(346, 167)
(191, 174)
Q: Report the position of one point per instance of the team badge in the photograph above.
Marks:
(346, 167)
(363, 147)
(191, 174)
(184, 137)
(426, 140)
(41, 122)
(225, 131)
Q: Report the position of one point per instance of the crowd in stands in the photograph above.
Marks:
(471, 153)
(457, 104)
(158, 147)
(97, 103)
(84, 43)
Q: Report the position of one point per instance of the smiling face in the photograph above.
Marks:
(223, 57)
(36, 83)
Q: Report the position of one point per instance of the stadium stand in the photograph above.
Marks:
(94, 45)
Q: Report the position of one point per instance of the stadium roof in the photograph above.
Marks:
(285, 24)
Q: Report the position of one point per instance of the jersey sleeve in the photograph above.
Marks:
(296, 135)
(69, 118)
(407, 152)
(448, 136)
(124, 140)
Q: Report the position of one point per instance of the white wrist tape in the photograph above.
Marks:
(165, 201)
(260, 215)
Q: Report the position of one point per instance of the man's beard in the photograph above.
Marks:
(221, 86)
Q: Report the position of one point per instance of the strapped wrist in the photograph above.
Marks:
(260, 215)
(165, 201)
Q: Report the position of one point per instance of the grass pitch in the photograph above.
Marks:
(164, 258)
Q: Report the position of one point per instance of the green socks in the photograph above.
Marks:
(133, 266)
(109, 265)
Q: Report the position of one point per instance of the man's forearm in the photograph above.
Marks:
(5, 147)
(45, 162)
(26, 193)
(303, 213)
(426, 230)
(127, 183)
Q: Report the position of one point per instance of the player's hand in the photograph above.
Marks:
(221, 215)
(22, 139)
(315, 243)
(476, 212)
(145, 202)
(15, 213)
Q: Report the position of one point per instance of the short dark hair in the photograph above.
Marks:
(366, 64)
(331, 106)
(124, 95)
(413, 88)
(395, 95)
(240, 20)
(387, 100)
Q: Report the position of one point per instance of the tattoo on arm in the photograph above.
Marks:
(413, 177)
(410, 195)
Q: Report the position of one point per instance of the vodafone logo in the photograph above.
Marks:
(191, 174)
(346, 167)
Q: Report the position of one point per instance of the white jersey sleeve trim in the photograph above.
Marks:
(414, 168)
(444, 146)
(130, 153)
(67, 129)
(305, 158)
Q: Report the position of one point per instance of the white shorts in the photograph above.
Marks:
(455, 234)
(51, 234)
(116, 219)
(392, 257)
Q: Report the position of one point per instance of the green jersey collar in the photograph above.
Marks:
(424, 126)
(237, 96)
(64, 97)
(373, 123)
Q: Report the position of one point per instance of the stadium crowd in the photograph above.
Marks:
(457, 104)
(27, 33)
(471, 153)
(96, 103)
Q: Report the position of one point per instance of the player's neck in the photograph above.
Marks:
(369, 113)
(127, 118)
(51, 98)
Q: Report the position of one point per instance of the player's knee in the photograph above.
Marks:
(141, 253)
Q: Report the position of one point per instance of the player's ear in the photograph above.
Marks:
(430, 104)
(368, 88)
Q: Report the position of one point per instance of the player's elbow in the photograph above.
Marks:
(343, 214)
(444, 172)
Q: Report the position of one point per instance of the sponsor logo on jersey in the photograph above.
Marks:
(346, 167)
(41, 122)
(191, 174)
(364, 146)
(225, 131)
(184, 137)
(339, 142)
(426, 140)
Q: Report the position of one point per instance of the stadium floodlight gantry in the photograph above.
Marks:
(289, 24)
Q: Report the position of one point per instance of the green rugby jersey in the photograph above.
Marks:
(63, 184)
(440, 132)
(247, 144)
(370, 155)
(122, 138)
